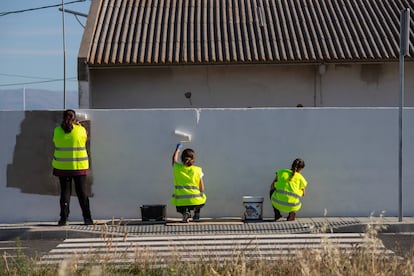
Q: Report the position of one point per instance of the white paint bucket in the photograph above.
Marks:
(252, 208)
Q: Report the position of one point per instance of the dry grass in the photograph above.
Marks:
(328, 260)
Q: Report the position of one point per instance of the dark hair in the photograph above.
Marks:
(297, 165)
(188, 157)
(69, 118)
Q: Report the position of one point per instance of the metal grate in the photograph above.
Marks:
(221, 228)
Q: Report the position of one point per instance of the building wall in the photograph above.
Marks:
(351, 157)
(358, 85)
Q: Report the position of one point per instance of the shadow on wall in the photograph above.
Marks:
(31, 169)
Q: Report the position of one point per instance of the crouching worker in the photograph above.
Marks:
(188, 185)
(287, 189)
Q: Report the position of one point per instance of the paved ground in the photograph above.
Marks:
(171, 248)
(39, 238)
(401, 243)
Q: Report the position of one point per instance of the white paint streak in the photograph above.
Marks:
(198, 113)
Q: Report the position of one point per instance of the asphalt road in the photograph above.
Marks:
(401, 243)
(30, 248)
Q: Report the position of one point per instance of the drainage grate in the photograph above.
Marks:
(221, 228)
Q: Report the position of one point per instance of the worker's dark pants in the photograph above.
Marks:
(66, 192)
(277, 213)
(292, 215)
(187, 209)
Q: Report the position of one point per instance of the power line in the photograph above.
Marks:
(36, 82)
(75, 14)
(77, 19)
(23, 76)
(39, 8)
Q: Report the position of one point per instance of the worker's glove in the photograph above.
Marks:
(179, 146)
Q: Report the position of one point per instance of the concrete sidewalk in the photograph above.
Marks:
(39, 238)
(228, 225)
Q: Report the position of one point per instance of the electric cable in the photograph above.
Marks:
(37, 82)
(24, 76)
(39, 8)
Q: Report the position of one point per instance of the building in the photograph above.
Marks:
(236, 53)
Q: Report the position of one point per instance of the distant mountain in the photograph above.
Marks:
(36, 99)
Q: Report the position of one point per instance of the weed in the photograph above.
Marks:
(370, 258)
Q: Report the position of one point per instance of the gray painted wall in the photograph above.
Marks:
(346, 85)
(351, 157)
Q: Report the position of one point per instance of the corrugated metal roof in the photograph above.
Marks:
(164, 32)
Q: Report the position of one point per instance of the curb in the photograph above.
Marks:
(49, 231)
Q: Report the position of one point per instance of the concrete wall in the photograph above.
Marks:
(357, 85)
(351, 157)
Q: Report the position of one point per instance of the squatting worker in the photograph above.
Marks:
(287, 189)
(188, 185)
(70, 162)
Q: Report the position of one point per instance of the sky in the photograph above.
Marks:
(31, 44)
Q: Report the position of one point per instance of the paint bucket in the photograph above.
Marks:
(153, 212)
(252, 207)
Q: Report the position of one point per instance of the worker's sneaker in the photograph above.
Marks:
(186, 217)
(88, 221)
(196, 217)
(277, 217)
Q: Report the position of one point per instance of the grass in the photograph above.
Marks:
(328, 260)
(304, 263)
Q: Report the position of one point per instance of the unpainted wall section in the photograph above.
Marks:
(218, 86)
(357, 85)
(351, 160)
(366, 85)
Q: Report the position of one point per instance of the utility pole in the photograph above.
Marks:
(64, 55)
(24, 98)
(404, 50)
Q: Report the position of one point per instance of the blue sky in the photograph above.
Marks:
(31, 44)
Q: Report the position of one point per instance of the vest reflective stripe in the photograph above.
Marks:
(186, 186)
(71, 159)
(188, 196)
(287, 193)
(285, 203)
(70, 151)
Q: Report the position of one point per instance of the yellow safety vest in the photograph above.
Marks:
(70, 149)
(287, 194)
(186, 186)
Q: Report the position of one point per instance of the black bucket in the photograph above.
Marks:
(153, 212)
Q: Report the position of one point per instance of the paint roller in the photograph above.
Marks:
(185, 137)
(81, 116)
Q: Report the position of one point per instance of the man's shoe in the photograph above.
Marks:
(88, 221)
(62, 222)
